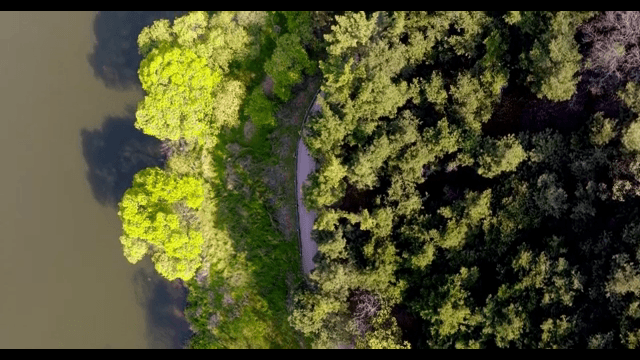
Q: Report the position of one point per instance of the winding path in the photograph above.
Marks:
(304, 166)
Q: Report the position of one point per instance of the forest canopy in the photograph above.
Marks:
(477, 181)
(476, 187)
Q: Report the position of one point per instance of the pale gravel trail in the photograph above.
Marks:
(305, 166)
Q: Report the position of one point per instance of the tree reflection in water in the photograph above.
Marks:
(164, 303)
(114, 154)
(115, 57)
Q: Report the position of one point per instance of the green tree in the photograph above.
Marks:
(505, 323)
(384, 335)
(492, 65)
(602, 130)
(286, 65)
(472, 103)
(630, 95)
(435, 92)
(227, 100)
(551, 197)
(556, 333)
(218, 39)
(154, 35)
(631, 136)
(554, 59)
(259, 108)
(327, 131)
(327, 184)
(633, 339)
(224, 42)
(300, 23)
(364, 172)
(512, 17)
(549, 148)
(500, 156)
(351, 33)
(158, 217)
(190, 28)
(449, 311)
(179, 87)
(625, 279)
(470, 25)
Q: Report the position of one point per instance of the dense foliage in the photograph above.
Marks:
(185, 72)
(158, 216)
(477, 183)
(180, 87)
(445, 212)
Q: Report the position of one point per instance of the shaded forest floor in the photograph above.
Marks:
(520, 110)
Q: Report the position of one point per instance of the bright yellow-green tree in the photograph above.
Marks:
(179, 87)
(158, 218)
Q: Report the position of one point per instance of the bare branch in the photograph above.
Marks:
(615, 47)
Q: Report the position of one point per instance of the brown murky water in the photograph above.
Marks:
(68, 151)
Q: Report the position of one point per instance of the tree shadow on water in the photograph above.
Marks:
(115, 56)
(114, 154)
(164, 303)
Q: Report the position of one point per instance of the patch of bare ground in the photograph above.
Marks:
(267, 86)
(227, 299)
(214, 320)
(290, 284)
(279, 178)
(232, 179)
(248, 130)
(245, 163)
(234, 148)
(316, 108)
(293, 112)
(274, 176)
(286, 222)
(283, 146)
(202, 276)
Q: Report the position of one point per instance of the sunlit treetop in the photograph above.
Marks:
(219, 39)
(186, 75)
(157, 219)
(179, 87)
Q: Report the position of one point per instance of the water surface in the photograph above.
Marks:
(68, 151)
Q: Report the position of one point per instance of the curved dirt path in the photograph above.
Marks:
(304, 166)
